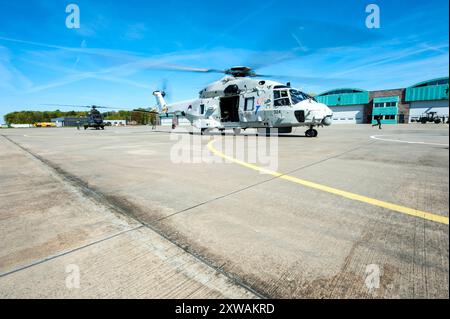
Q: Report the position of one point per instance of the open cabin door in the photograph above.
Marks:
(229, 105)
(229, 109)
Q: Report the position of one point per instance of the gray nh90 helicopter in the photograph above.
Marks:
(239, 101)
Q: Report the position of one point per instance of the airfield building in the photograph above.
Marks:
(348, 104)
(428, 96)
(69, 121)
(169, 119)
(116, 122)
(396, 106)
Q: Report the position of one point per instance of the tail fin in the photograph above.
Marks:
(162, 105)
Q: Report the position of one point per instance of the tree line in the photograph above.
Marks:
(31, 117)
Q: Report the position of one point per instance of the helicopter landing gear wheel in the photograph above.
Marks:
(222, 132)
(311, 133)
(237, 131)
(203, 131)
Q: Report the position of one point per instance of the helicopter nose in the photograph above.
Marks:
(327, 121)
(326, 110)
(327, 115)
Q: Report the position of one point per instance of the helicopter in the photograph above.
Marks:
(243, 100)
(239, 101)
(95, 119)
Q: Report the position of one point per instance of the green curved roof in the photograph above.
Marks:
(339, 97)
(342, 89)
(429, 81)
(423, 92)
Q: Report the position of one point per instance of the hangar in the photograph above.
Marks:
(69, 121)
(390, 105)
(428, 96)
(394, 106)
(347, 104)
(171, 118)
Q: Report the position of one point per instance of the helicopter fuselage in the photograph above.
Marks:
(95, 120)
(241, 103)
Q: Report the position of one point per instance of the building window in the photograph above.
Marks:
(387, 104)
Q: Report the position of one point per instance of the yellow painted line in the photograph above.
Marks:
(335, 191)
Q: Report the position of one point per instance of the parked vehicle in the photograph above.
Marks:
(430, 117)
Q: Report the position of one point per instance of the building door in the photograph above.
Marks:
(351, 114)
(419, 108)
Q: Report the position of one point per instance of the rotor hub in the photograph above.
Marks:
(240, 71)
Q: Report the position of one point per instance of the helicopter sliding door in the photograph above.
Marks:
(229, 109)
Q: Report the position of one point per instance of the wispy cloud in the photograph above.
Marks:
(362, 64)
(116, 72)
(92, 26)
(123, 54)
(11, 78)
(130, 64)
(362, 59)
(136, 31)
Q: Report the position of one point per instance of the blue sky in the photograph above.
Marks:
(116, 57)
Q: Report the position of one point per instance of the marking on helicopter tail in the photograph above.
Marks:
(371, 201)
(257, 108)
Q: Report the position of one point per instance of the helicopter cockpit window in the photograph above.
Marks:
(282, 102)
(276, 95)
(298, 96)
(281, 98)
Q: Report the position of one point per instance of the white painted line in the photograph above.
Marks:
(378, 137)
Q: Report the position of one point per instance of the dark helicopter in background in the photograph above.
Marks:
(94, 119)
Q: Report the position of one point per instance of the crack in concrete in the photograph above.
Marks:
(101, 199)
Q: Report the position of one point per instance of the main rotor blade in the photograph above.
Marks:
(67, 105)
(86, 106)
(173, 67)
(303, 79)
(104, 107)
